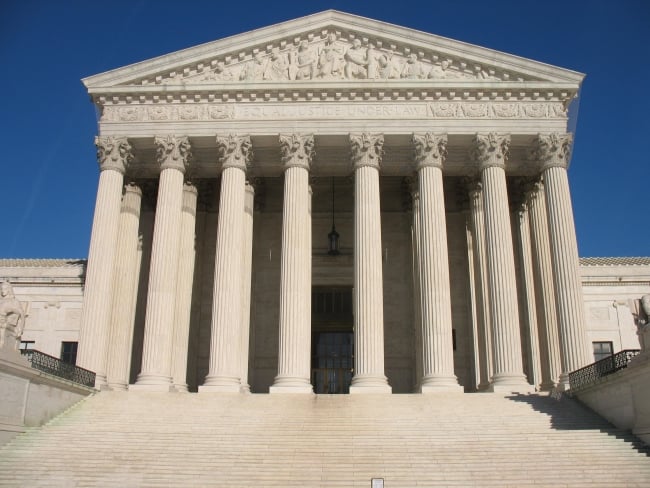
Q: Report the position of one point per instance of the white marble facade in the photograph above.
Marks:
(443, 166)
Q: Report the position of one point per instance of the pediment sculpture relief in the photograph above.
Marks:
(330, 58)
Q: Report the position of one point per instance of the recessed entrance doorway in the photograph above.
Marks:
(332, 358)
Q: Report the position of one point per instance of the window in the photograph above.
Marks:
(602, 350)
(69, 352)
(27, 345)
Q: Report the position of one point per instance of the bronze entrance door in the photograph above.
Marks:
(332, 345)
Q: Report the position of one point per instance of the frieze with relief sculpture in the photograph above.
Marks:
(332, 57)
(438, 109)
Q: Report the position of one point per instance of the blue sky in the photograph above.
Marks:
(49, 170)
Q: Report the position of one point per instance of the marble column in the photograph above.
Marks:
(294, 354)
(114, 155)
(417, 297)
(125, 286)
(477, 224)
(366, 154)
(184, 285)
(491, 151)
(247, 268)
(553, 152)
(545, 288)
(437, 340)
(529, 303)
(173, 155)
(224, 375)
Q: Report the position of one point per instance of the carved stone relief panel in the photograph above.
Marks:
(332, 55)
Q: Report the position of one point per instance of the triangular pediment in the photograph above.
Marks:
(331, 47)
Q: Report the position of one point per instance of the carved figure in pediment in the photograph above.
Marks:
(389, 65)
(254, 69)
(277, 68)
(413, 69)
(303, 62)
(444, 72)
(174, 78)
(12, 317)
(330, 60)
(357, 61)
(220, 73)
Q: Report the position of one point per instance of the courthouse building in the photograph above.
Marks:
(340, 205)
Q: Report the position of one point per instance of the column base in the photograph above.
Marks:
(563, 383)
(303, 390)
(181, 387)
(440, 384)
(117, 386)
(510, 383)
(219, 389)
(550, 386)
(245, 389)
(291, 384)
(139, 387)
(152, 382)
(370, 384)
(221, 384)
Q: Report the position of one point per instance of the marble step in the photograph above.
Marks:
(127, 439)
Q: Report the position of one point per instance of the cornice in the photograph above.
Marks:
(241, 48)
(333, 92)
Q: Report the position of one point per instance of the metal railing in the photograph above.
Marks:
(591, 373)
(54, 366)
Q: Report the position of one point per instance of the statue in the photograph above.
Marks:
(220, 73)
(254, 70)
(303, 63)
(413, 69)
(357, 61)
(276, 68)
(330, 59)
(643, 328)
(12, 317)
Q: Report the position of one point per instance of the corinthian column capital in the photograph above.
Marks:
(491, 149)
(366, 149)
(173, 152)
(297, 150)
(552, 150)
(430, 149)
(113, 153)
(235, 151)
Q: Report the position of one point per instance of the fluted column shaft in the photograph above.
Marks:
(553, 152)
(368, 285)
(125, 286)
(247, 266)
(530, 306)
(417, 292)
(545, 288)
(114, 155)
(506, 340)
(173, 156)
(294, 353)
(184, 282)
(484, 340)
(437, 341)
(225, 343)
(566, 273)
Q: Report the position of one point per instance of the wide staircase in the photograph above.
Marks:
(121, 439)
